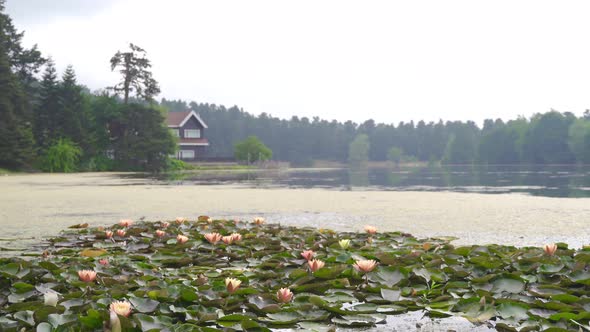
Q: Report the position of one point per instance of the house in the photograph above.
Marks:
(190, 130)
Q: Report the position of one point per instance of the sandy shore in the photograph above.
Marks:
(42, 204)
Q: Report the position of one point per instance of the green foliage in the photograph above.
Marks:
(462, 145)
(579, 140)
(546, 141)
(358, 151)
(252, 150)
(62, 156)
(177, 165)
(140, 139)
(395, 155)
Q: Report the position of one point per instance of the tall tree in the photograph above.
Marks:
(134, 67)
(47, 118)
(74, 113)
(16, 139)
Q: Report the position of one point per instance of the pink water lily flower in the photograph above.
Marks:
(165, 224)
(259, 221)
(181, 238)
(308, 254)
(232, 284)
(108, 234)
(550, 249)
(365, 265)
(87, 275)
(315, 265)
(160, 233)
(227, 239)
(180, 220)
(284, 295)
(236, 237)
(125, 222)
(122, 308)
(121, 232)
(370, 229)
(213, 237)
(104, 262)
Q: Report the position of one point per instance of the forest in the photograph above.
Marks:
(51, 122)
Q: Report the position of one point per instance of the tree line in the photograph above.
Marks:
(546, 138)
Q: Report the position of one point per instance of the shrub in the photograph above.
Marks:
(62, 156)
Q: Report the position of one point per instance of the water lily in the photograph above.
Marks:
(103, 261)
(121, 232)
(160, 233)
(365, 266)
(236, 237)
(181, 238)
(108, 234)
(232, 284)
(550, 249)
(180, 220)
(308, 254)
(213, 237)
(284, 295)
(344, 243)
(87, 275)
(315, 265)
(50, 299)
(259, 221)
(227, 239)
(122, 308)
(165, 224)
(370, 229)
(125, 222)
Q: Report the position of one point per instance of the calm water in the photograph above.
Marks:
(550, 181)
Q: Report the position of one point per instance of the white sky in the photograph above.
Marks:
(386, 60)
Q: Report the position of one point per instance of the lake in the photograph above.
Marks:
(549, 181)
(513, 206)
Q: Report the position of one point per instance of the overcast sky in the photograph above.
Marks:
(386, 60)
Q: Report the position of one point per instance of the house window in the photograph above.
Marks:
(175, 132)
(192, 133)
(187, 154)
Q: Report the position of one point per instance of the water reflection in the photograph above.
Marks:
(551, 181)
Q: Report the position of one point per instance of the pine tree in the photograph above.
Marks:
(16, 140)
(47, 114)
(73, 109)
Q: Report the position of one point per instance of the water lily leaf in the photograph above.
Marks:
(486, 262)
(508, 285)
(316, 327)
(10, 269)
(25, 317)
(22, 287)
(387, 276)
(355, 320)
(565, 298)
(480, 316)
(144, 305)
(390, 294)
(281, 318)
(57, 320)
(149, 323)
(563, 315)
(93, 319)
(391, 309)
(550, 268)
(93, 252)
(329, 272)
(513, 310)
(233, 318)
(44, 327)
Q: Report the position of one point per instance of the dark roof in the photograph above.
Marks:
(175, 118)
